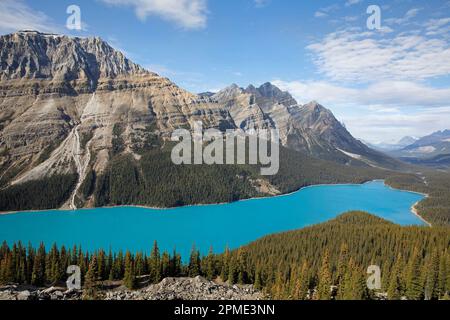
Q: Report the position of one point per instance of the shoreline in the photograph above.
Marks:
(68, 210)
(414, 207)
(416, 213)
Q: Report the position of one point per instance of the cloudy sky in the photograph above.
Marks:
(383, 84)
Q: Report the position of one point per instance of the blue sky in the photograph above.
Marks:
(383, 84)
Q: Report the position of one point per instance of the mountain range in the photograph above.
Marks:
(432, 150)
(70, 106)
(393, 146)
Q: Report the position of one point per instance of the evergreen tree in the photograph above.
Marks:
(194, 263)
(324, 285)
(155, 264)
(101, 261)
(395, 289)
(342, 264)
(210, 265)
(38, 274)
(129, 279)
(258, 284)
(225, 265)
(165, 265)
(431, 282)
(302, 283)
(139, 264)
(242, 266)
(442, 278)
(414, 288)
(90, 280)
(232, 271)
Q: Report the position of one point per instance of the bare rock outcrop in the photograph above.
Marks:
(168, 289)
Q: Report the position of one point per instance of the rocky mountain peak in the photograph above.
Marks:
(228, 93)
(34, 55)
(269, 93)
(313, 112)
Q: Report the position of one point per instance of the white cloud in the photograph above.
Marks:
(366, 57)
(320, 14)
(190, 14)
(410, 14)
(438, 27)
(16, 15)
(377, 127)
(381, 111)
(352, 2)
(386, 93)
(324, 12)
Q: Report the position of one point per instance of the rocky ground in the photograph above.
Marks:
(168, 289)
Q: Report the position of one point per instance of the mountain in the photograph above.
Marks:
(393, 146)
(93, 128)
(433, 146)
(68, 104)
(311, 128)
(406, 141)
(432, 151)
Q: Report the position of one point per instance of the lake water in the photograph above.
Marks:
(232, 224)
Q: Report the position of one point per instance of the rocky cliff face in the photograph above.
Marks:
(63, 101)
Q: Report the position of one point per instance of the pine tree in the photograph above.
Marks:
(110, 265)
(359, 285)
(165, 265)
(346, 284)
(258, 284)
(210, 265)
(342, 264)
(395, 289)
(129, 279)
(442, 278)
(31, 253)
(279, 287)
(155, 264)
(38, 274)
(225, 265)
(242, 266)
(139, 264)
(414, 288)
(90, 280)
(175, 264)
(301, 287)
(431, 282)
(101, 261)
(324, 285)
(232, 271)
(194, 263)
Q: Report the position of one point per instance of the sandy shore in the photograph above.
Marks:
(415, 211)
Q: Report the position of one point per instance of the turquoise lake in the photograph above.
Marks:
(233, 224)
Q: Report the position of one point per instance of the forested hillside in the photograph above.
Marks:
(153, 180)
(415, 261)
(436, 184)
(326, 261)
